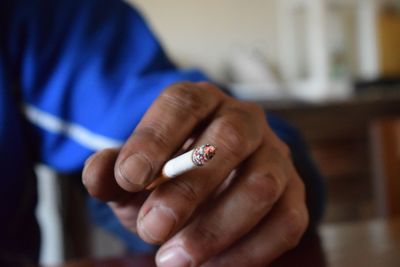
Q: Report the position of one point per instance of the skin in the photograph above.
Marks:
(244, 208)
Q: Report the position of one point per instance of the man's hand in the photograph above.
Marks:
(244, 208)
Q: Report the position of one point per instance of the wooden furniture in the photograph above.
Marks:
(338, 135)
(367, 244)
(385, 139)
(389, 41)
(371, 243)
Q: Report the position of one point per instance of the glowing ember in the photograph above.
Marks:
(203, 154)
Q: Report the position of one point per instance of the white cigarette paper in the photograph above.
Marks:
(188, 161)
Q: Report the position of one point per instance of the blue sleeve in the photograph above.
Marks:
(87, 70)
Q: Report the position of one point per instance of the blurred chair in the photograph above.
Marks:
(385, 148)
(66, 231)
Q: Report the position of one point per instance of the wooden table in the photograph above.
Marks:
(361, 244)
(375, 243)
(338, 134)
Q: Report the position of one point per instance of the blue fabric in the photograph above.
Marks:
(92, 63)
(88, 64)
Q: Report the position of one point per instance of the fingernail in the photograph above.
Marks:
(158, 223)
(136, 170)
(88, 161)
(174, 257)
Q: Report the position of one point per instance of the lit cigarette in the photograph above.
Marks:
(188, 161)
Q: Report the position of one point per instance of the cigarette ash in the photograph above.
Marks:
(203, 154)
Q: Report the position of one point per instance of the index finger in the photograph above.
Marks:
(162, 131)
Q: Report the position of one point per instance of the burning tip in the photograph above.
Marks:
(203, 154)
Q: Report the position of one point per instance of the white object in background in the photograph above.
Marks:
(250, 75)
(249, 65)
(368, 58)
(313, 71)
(306, 59)
(47, 213)
(258, 91)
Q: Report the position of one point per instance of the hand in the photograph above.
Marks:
(244, 208)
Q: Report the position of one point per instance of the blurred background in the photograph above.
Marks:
(330, 67)
(310, 50)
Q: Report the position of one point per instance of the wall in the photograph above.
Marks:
(205, 33)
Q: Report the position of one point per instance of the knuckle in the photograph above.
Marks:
(278, 147)
(256, 110)
(231, 137)
(184, 189)
(295, 223)
(213, 90)
(241, 111)
(155, 133)
(209, 86)
(264, 188)
(208, 238)
(285, 150)
(185, 99)
(249, 119)
(210, 233)
(248, 110)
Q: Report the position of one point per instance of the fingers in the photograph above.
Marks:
(162, 131)
(98, 176)
(278, 232)
(253, 218)
(239, 209)
(127, 211)
(236, 136)
(174, 202)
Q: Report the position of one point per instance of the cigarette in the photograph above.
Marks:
(188, 161)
